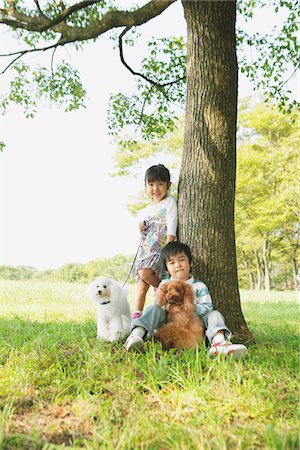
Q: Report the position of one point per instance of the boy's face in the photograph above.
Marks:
(179, 266)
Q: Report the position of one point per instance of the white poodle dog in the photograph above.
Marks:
(113, 312)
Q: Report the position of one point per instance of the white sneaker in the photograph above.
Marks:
(236, 351)
(134, 343)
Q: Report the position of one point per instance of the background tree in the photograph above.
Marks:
(117, 267)
(71, 272)
(267, 200)
(17, 273)
(207, 178)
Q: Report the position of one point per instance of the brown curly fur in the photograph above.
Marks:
(184, 329)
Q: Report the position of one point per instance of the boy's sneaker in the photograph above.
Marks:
(134, 343)
(236, 351)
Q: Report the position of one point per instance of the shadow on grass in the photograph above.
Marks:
(274, 326)
(55, 359)
(35, 441)
(63, 361)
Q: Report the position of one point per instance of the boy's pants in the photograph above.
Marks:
(154, 317)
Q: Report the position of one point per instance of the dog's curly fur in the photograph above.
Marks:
(184, 329)
(113, 312)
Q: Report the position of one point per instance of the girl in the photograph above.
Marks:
(158, 224)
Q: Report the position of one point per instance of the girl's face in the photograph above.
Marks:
(157, 190)
(179, 266)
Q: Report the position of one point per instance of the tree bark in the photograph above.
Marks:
(249, 273)
(208, 171)
(295, 268)
(265, 255)
(258, 271)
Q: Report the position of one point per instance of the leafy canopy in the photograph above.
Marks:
(153, 110)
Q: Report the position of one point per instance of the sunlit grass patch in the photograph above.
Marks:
(60, 387)
(270, 296)
(44, 302)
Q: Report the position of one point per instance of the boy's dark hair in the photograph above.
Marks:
(157, 173)
(173, 248)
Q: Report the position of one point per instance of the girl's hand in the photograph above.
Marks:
(141, 226)
(170, 238)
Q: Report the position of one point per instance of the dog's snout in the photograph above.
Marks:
(99, 292)
(173, 296)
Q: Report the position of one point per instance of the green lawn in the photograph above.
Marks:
(61, 388)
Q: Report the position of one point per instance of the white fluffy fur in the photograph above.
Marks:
(113, 312)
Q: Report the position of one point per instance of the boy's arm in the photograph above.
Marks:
(203, 300)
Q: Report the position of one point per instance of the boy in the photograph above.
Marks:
(177, 258)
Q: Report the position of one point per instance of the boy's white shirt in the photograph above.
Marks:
(203, 298)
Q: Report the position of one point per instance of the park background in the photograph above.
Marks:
(64, 220)
(60, 207)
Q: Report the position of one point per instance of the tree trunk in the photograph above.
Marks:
(295, 270)
(250, 274)
(208, 171)
(247, 267)
(258, 271)
(266, 253)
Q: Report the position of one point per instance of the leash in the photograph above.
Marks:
(132, 265)
(144, 232)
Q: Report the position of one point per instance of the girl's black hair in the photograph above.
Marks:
(157, 173)
(173, 248)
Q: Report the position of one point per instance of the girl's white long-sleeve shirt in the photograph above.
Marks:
(160, 221)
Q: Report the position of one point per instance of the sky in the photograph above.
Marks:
(59, 203)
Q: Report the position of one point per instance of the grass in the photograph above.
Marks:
(62, 388)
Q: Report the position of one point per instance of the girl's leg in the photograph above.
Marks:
(140, 297)
(149, 277)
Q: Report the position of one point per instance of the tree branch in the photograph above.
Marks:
(39, 8)
(133, 72)
(67, 12)
(23, 52)
(11, 63)
(144, 104)
(291, 76)
(52, 61)
(159, 86)
(110, 20)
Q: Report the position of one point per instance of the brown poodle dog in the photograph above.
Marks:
(184, 329)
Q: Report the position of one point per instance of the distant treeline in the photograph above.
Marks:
(117, 267)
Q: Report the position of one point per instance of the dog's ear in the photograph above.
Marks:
(161, 294)
(189, 296)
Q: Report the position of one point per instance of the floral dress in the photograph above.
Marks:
(160, 221)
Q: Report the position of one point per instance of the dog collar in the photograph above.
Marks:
(105, 303)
